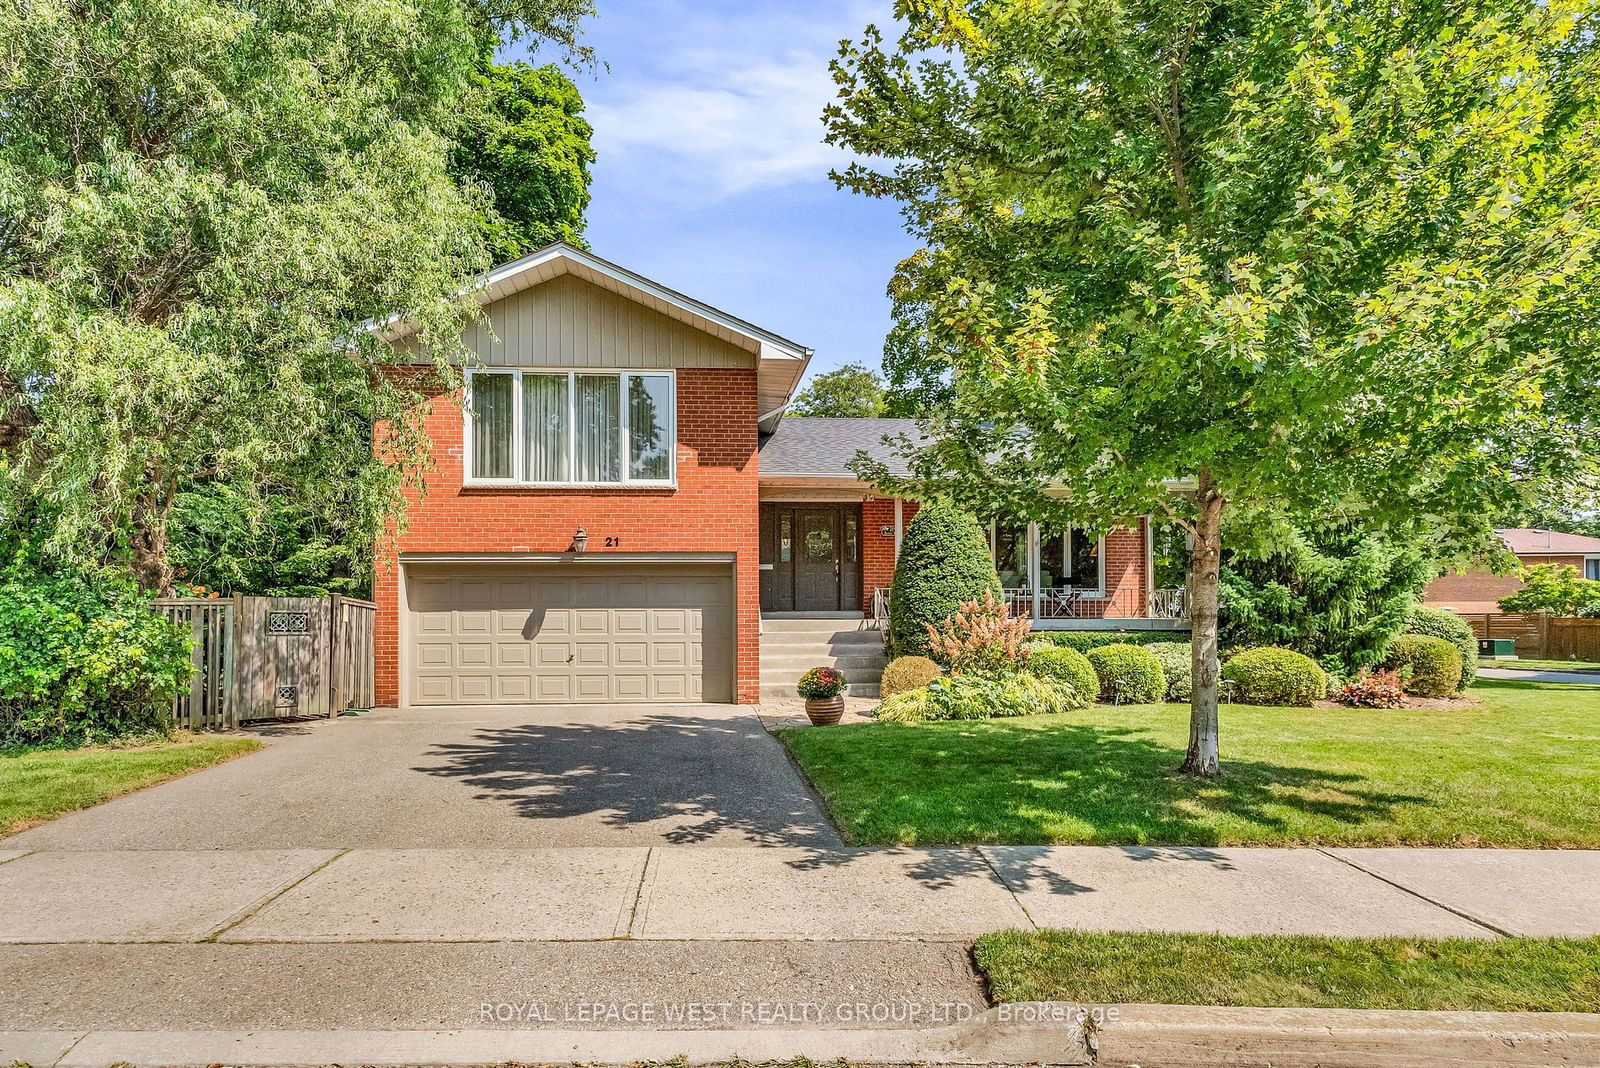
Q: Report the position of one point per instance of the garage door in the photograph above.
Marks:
(561, 634)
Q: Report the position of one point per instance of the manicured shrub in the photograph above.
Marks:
(1429, 666)
(83, 659)
(1128, 674)
(1084, 640)
(1375, 689)
(982, 638)
(1177, 665)
(907, 673)
(1271, 676)
(979, 697)
(1065, 666)
(821, 683)
(944, 563)
(1438, 623)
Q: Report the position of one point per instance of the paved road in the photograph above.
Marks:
(1575, 678)
(476, 778)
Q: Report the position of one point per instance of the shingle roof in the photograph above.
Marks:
(1534, 540)
(823, 448)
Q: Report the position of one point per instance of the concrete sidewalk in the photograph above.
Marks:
(1570, 678)
(310, 896)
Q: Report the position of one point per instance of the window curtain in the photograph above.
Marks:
(491, 426)
(598, 415)
(544, 425)
(649, 423)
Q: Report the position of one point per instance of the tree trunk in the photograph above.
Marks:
(148, 542)
(1205, 576)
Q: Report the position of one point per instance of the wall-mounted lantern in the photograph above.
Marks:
(580, 541)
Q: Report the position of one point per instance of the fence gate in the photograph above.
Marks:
(267, 657)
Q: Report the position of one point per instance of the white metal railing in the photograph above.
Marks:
(1071, 602)
(880, 606)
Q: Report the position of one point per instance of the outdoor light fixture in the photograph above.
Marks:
(580, 541)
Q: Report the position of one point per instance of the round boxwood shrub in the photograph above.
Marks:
(1066, 666)
(907, 673)
(1437, 623)
(1429, 666)
(1084, 640)
(1272, 676)
(1128, 674)
(944, 563)
(1177, 665)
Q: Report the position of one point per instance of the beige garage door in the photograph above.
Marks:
(559, 634)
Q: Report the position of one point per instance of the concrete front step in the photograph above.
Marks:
(774, 691)
(800, 661)
(770, 625)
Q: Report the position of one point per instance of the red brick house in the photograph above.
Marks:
(1480, 590)
(618, 512)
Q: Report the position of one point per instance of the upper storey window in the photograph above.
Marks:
(571, 428)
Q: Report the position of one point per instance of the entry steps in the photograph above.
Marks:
(791, 647)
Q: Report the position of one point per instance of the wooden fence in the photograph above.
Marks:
(270, 657)
(1540, 636)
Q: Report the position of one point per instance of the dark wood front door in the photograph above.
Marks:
(810, 557)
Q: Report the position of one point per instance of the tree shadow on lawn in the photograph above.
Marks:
(1068, 783)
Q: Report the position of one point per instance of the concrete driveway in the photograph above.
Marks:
(515, 777)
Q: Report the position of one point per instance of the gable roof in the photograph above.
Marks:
(780, 362)
(1533, 541)
(817, 447)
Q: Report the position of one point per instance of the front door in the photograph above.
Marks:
(816, 565)
(810, 557)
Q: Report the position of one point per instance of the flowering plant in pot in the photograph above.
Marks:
(823, 689)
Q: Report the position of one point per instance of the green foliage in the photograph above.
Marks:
(1428, 666)
(206, 202)
(851, 390)
(1269, 676)
(83, 658)
(821, 683)
(907, 673)
(1177, 666)
(944, 563)
(276, 543)
(979, 697)
(1374, 689)
(1065, 666)
(1084, 640)
(1555, 588)
(525, 141)
(1128, 674)
(1337, 593)
(1453, 629)
(982, 638)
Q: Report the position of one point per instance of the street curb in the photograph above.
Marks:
(1041, 1033)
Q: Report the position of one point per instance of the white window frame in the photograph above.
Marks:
(1591, 563)
(519, 451)
(1034, 554)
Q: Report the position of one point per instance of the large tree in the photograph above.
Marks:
(1208, 258)
(203, 203)
(851, 390)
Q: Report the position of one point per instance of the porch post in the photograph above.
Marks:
(899, 526)
(1149, 565)
(1033, 565)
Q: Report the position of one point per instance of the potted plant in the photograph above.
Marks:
(823, 689)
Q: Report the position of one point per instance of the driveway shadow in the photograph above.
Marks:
(696, 779)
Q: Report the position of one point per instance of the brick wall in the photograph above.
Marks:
(1479, 590)
(713, 509)
(1126, 596)
(877, 551)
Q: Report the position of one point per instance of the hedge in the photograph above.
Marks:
(978, 697)
(1063, 665)
(907, 673)
(1273, 676)
(1438, 623)
(1177, 664)
(1128, 674)
(1429, 666)
(1084, 640)
(943, 563)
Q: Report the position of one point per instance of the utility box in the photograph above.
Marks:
(1497, 649)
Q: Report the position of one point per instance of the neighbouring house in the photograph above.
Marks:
(619, 512)
(1480, 590)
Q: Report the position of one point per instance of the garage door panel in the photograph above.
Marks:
(485, 634)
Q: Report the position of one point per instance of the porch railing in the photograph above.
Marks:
(1070, 602)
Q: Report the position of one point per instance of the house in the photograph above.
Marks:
(1479, 590)
(619, 512)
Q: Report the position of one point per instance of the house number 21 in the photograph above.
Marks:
(612, 543)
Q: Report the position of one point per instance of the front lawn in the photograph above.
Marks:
(1520, 769)
(41, 784)
(1530, 664)
(1464, 974)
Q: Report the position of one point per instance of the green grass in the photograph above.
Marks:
(41, 784)
(1522, 768)
(1489, 975)
(1529, 664)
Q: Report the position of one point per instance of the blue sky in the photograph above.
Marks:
(712, 177)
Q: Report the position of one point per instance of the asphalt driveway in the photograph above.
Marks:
(516, 777)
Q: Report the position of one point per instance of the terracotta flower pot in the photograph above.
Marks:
(825, 711)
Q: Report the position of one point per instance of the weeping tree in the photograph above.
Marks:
(201, 204)
(1218, 259)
